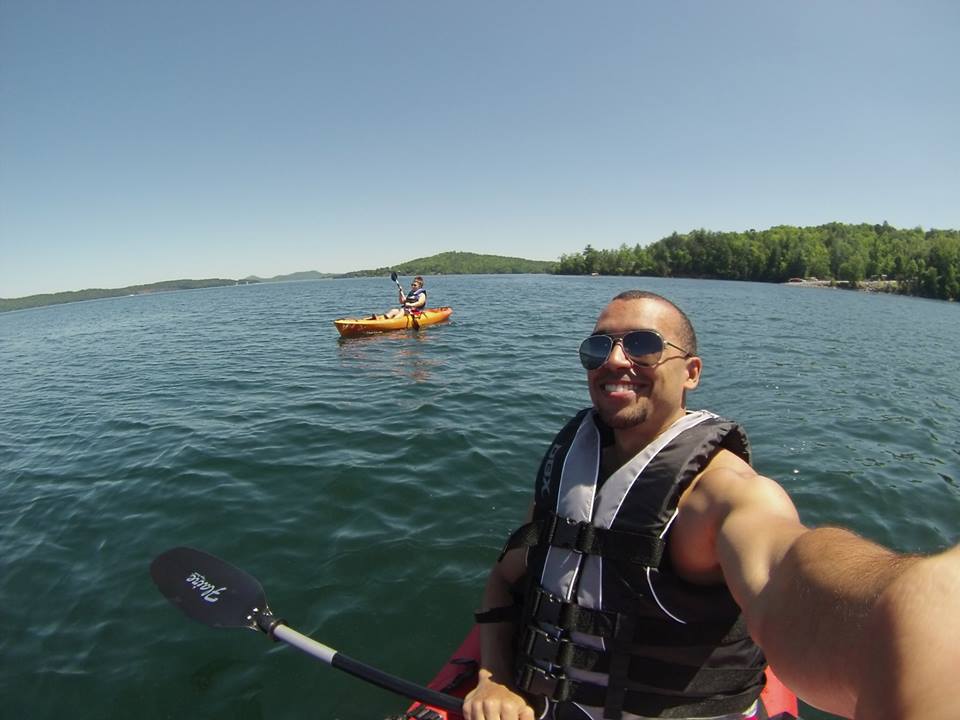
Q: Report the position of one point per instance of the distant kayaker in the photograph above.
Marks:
(660, 573)
(411, 302)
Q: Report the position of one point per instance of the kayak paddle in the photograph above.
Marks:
(393, 276)
(216, 593)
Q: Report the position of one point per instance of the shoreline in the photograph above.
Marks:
(885, 286)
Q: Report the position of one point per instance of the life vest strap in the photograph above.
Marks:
(644, 549)
(537, 644)
(553, 610)
(504, 613)
(570, 617)
(541, 648)
(636, 698)
(523, 537)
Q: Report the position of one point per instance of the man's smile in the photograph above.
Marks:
(620, 385)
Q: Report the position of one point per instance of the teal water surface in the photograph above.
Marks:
(369, 483)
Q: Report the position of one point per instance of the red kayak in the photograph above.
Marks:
(459, 676)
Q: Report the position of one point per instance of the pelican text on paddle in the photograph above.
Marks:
(208, 591)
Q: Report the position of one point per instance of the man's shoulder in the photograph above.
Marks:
(728, 481)
(729, 461)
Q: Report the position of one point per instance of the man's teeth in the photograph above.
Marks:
(618, 387)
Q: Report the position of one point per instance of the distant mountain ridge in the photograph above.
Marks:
(99, 293)
(303, 275)
(451, 263)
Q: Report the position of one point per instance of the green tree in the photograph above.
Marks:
(923, 263)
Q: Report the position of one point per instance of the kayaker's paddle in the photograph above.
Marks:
(393, 276)
(216, 593)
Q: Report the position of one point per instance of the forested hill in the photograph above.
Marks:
(925, 263)
(462, 263)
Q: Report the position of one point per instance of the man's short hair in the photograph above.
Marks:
(687, 336)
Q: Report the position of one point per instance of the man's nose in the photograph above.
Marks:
(617, 354)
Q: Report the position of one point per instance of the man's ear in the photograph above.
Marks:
(694, 367)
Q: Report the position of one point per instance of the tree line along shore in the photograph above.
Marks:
(873, 257)
(879, 258)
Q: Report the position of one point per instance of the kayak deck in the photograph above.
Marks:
(459, 676)
(349, 327)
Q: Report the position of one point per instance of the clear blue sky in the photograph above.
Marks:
(147, 141)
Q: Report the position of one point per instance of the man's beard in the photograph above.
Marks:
(625, 417)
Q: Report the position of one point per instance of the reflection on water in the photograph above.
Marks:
(404, 354)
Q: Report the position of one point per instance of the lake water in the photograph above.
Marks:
(369, 483)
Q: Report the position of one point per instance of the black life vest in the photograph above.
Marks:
(606, 621)
(413, 298)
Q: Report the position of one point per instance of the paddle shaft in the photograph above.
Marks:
(393, 276)
(365, 672)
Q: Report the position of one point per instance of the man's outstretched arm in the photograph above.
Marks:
(913, 634)
(831, 610)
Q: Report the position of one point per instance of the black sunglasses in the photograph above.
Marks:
(642, 347)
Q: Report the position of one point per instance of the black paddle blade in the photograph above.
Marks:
(393, 276)
(208, 589)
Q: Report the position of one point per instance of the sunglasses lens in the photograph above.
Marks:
(643, 347)
(594, 351)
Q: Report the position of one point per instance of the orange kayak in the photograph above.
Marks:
(348, 327)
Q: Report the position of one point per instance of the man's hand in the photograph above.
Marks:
(492, 701)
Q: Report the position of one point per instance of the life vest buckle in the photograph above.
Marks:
(537, 681)
(572, 534)
(541, 645)
(562, 531)
(548, 608)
